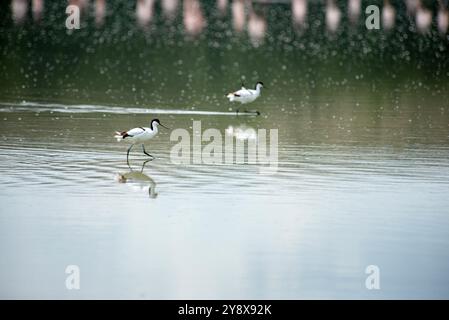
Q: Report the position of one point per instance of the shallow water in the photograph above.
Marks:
(362, 178)
(343, 197)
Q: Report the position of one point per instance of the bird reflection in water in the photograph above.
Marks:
(194, 20)
(144, 12)
(354, 8)
(82, 4)
(333, 15)
(250, 16)
(238, 15)
(423, 18)
(100, 12)
(442, 18)
(299, 13)
(242, 132)
(388, 15)
(411, 6)
(19, 10)
(169, 8)
(37, 7)
(139, 180)
(222, 6)
(257, 26)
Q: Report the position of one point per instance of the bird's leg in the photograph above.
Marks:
(248, 111)
(127, 155)
(144, 163)
(144, 151)
(254, 111)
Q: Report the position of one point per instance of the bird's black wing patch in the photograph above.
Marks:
(125, 134)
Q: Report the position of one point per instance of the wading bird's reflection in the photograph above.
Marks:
(354, 7)
(299, 13)
(144, 12)
(82, 4)
(222, 5)
(37, 6)
(333, 16)
(100, 11)
(169, 8)
(388, 15)
(238, 15)
(423, 18)
(241, 132)
(244, 17)
(257, 27)
(19, 9)
(442, 18)
(194, 21)
(412, 5)
(139, 179)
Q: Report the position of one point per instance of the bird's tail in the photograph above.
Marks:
(230, 96)
(118, 136)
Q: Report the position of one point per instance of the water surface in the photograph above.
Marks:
(362, 178)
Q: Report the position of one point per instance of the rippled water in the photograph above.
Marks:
(345, 196)
(362, 177)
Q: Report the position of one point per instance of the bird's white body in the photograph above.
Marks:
(137, 135)
(245, 95)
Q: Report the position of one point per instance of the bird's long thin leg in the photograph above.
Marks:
(253, 111)
(144, 164)
(127, 155)
(144, 151)
(248, 111)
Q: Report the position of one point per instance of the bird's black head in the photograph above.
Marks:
(259, 83)
(156, 122)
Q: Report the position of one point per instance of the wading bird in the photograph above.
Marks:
(245, 95)
(139, 136)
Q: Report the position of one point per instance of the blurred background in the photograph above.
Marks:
(188, 53)
(363, 173)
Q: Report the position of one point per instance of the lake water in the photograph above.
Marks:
(362, 177)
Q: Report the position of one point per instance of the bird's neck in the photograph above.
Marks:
(153, 127)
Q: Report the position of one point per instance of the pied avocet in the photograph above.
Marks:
(139, 136)
(245, 95)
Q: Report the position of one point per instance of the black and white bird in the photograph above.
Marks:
(139, 135)
(245, 95)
